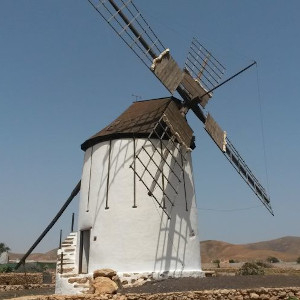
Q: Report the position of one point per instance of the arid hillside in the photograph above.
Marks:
(41, 257)
(285, 249)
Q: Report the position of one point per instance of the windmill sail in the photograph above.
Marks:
(126, 20)
(161, 159)
(203, 65)
(195, 83)
(241, 167)
(224, 144)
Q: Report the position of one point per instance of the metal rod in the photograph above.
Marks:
(159, 169)
(69, 200)
(108, 172)
(134, 177)
(184, 184)
(150, 192)
(233, 76)
(132, 28)
(60, 239)
(152, 195)
(72, 224)
(162, 178)
(88, 200)
(61, 262)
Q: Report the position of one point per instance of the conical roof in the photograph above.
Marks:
(138, 120)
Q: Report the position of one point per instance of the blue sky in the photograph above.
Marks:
(64, 75)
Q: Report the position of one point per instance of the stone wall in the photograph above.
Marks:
(6, 288)
(20, 278)
(262, 293)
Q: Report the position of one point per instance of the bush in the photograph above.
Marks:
(272, 259)
(6, 269)
(298, 260)
(217, 262)
(251, 269)
(263, 264)
(231, 261)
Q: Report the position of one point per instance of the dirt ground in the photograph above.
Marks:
(188, 284)
(221, 282)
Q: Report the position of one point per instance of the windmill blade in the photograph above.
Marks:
(223, 143)
(126, 20)
(203, 72)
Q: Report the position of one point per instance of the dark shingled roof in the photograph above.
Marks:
(137, 120)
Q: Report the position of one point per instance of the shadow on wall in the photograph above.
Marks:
(175, 232)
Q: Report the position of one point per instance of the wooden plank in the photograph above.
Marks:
(178, 125)
(194, 89)
(216, 132)
(168, 72)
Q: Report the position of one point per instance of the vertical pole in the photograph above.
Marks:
(88, 201)
(184, 186)
(134, 177)
(61, 262)
(60, 237)
(162, 176)
(108, 170)
(72, 225)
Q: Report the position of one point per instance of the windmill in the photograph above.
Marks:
(137, 211)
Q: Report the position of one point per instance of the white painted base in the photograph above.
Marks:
(132, 279)
(129, 232)
(63, 287)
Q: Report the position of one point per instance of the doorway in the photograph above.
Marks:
(84, 253)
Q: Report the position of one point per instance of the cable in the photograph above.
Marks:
(229, 210)
(262, 129)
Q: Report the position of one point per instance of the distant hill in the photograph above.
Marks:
(41, 257)
(285, 248)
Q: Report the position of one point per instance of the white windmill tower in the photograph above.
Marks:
(137, 212)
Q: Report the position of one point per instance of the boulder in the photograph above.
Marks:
(105, 273)
(104, 285)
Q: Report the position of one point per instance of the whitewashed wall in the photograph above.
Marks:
(141, 239)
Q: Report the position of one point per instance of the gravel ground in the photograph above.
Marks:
(188, 284)
(222, 282)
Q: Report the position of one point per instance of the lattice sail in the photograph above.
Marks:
(160, 161)
(204, 68)
(224, 144)
(126, 20)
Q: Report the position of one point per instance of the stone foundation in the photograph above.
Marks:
(135, 279)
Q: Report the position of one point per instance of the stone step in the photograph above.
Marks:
(66, 243)
(81, 285)
(69, 275)
(69, 249)
(65, 263)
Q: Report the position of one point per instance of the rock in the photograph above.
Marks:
(78, 280)
(282, 294)
(104, 285)
(105, 273)
(254, 296)
(117, 280)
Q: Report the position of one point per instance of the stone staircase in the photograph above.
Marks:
(68, 281)
(66, 255)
